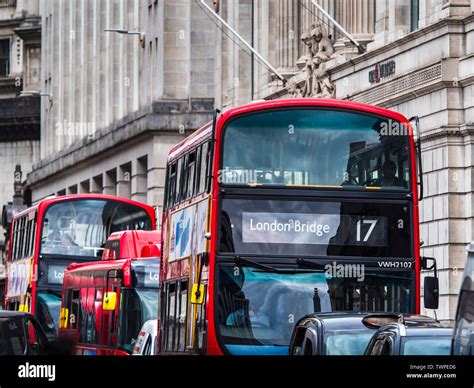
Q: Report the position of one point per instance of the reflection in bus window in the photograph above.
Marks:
(261, 308)
(81, 227)
(137, 307)
(316, 147)
(48, 311)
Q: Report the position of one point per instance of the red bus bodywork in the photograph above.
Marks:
(32, 261)
(181, 268)
(130, 244)
(83, 277)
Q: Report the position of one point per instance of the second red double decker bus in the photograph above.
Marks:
(55, 232)
(283, 208)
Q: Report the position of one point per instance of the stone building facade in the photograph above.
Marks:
(117, 102)
(20, 61)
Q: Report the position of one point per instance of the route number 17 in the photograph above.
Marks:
(372, 224)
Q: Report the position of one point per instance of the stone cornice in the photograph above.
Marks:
(445, 132)
(409, 40)
(164, 117)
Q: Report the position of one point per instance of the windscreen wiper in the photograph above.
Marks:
(238, 260)
(310, 264)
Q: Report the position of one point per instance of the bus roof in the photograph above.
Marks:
(101, 265)
(62, 198)
(133, 244)
(205, 131)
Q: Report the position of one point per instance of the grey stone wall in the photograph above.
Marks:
(120, 101)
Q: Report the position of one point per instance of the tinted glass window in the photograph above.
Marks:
(12, 337)
(179, 180)
(190, 172)
(256, 310)
(205, 166)
(49, 305)
(426, 346)
(172, 176)
(81, 227)
(4, 57)
(315, 228)
(136, 307)
(346, 343)
(316, 147)
(174, 313)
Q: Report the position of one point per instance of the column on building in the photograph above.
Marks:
(447, 181)
(177, 37)
(110, 182)
(457, 7)
(96, 184)
(356, 16)
(139, 182)
(264, 43)
(227, 90)
(84, 187)
(124, 180)
(392, 21)
(236, 61)
(443, 214)
(203, 58)
(287, 36)
(71, 190)
(30, 7)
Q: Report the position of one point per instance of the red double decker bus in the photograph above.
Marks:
(282, 208)
(52, 234)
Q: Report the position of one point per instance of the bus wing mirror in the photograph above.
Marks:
(197, 293)
(431, 283)
(431, 292)
(424, 263)
(110, 301)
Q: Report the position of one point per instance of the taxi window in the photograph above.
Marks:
(12, 337)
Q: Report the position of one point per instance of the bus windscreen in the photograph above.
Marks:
(81, 227)
(257, 310)
(316, 147)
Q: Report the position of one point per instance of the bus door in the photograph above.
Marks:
(110, 318)
(197, 276)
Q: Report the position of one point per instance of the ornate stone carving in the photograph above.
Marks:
(317, 80)
(293, 88)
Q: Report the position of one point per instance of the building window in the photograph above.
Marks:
(414, 14)
(4, 57)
